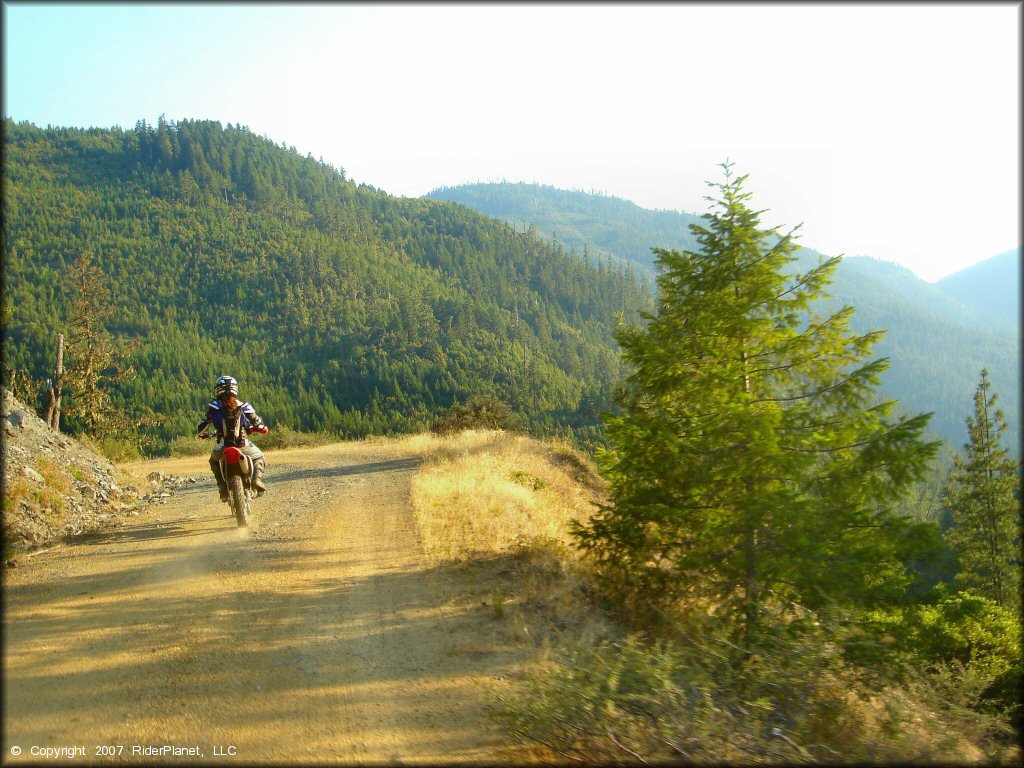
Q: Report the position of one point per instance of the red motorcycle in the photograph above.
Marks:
(237, 470)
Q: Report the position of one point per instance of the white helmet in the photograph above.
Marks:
(225, 386)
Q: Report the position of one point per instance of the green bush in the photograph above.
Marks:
(113, 449)
(187, 445)
(286, 437)
(967, 630)
(476, 413)
(981, 635)
(970, 628)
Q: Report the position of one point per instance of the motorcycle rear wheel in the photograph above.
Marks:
(239, 501)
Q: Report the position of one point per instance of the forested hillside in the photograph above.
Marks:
(939, 336)
(604, 227)
(990, 289)
(936, 346)
(338, 307)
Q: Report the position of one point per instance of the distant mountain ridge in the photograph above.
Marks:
(990, 289)
(939, 335)
(603, 226)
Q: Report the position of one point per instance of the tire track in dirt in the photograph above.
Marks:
(318, 636)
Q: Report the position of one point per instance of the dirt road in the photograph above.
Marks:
(319, 635)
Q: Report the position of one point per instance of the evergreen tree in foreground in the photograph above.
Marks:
(753, 469)
(983, 497)
(97, 361)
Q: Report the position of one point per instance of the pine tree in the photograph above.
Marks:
(982, 496)
(752, 467)
(96, 360)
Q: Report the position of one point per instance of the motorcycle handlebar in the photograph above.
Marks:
(206, 436)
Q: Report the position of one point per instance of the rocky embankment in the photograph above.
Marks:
(55, 487)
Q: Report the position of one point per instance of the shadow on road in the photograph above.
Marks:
(300, 646)
(392, 465)
(211, 524)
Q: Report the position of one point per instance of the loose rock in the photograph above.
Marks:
(84, 491)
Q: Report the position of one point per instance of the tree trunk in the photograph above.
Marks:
(53, 416)
(50, 401)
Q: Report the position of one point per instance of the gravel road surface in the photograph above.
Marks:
(318, 635)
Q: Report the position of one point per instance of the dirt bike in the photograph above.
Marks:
(237, 470)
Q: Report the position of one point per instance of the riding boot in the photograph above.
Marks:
(222, 485)
(257, 477)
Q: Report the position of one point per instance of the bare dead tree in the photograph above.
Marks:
(53, 387)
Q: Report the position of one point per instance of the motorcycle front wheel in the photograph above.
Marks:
(239, 501)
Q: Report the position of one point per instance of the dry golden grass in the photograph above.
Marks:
(488, 493)
(15, 490)
(499, 506)
(47, 496)
(54, 477)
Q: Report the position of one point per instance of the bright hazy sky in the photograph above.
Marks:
(889, 131)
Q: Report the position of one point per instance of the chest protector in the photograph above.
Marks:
(231, 426)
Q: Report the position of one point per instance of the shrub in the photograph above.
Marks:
(964, 638)
(15, 489)
(286, 437)
(628, 701)
(187, 445)
(699, 699)
(477, 413)
(970, 628)
(979, 634)
(114, 449)
(46, 499)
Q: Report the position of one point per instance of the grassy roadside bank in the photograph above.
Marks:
(607, 692)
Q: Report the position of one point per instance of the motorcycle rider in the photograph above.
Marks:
(233, 421)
